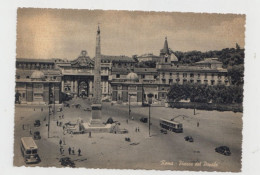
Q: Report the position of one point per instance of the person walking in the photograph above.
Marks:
(138, 130)
(198, 124)
(60, 142)
(79, 151)
(72, 151)
(57, 122)
(135, 129)
(30, 131)
(69, 150)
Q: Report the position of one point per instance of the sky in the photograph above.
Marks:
(63, 33)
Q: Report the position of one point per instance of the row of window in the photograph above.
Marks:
(192, 81)
(28, 77)
(192, 75)
(34, 65)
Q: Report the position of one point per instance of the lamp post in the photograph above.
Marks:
(129, 110)
(49, 106)
(53, 99)
(150, 96)
(129, 106)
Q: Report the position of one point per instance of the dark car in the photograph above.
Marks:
(37, 135)
(66, 161)
(164, 131)
(223, 150)
(144, 119)
(37, 123)
(188, 138)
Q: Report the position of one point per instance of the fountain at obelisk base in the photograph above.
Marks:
(96, 125)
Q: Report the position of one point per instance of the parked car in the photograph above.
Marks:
(127, 139)
(223, 150)
(144, 119)
(66, 105)
(188, 138)
(164, 131)
(66, 161)
(87, 109)
(37, 123)
(37, 135)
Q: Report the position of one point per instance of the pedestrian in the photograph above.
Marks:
(89, 134)
(59, 117)
(64, 141)
(72, 151)
(135, 129)
(23, 126)
(57, 122)
(30, 131)
(127, 121)
(138, 130)
(41, 109)
(198, 124)
(69, 150)
(62, 150)
(62, 115)
(63, 127)
(79, 151)
(60, 142)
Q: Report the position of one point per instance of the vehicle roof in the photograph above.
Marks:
(28, 143)
(174, 122)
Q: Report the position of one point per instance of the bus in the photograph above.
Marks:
(29, 150)
(171, 125)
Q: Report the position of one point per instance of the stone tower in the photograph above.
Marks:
(165, 52)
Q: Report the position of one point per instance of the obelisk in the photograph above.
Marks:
(96, 105)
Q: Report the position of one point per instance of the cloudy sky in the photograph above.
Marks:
(56, 33)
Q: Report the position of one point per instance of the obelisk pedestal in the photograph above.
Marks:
(96, 116)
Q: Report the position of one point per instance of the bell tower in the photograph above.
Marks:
(165, 52)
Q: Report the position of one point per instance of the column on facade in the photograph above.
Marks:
(76, 86)
(90, 86)
(72, 86)
(62, 85)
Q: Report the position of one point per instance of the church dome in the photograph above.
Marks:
(38, 75)
(132, 77)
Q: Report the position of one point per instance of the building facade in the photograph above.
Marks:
(43, 81)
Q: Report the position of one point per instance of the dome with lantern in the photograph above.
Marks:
(133, 77)
(38, 75)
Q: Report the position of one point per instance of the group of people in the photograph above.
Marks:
(137, 129)
(71, 151)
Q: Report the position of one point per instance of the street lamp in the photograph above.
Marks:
(129, 101)
(150, 96)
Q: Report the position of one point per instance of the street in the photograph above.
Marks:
(160, 151)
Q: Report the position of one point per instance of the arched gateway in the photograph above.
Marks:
(83, 89)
